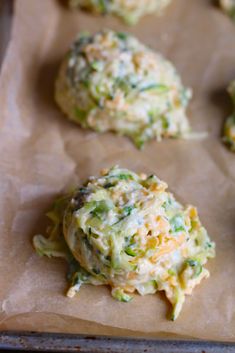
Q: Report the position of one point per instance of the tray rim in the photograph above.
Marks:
(6, 14)
(58, 342)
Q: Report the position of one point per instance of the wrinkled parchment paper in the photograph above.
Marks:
(42, 155)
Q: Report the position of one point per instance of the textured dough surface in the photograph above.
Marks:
(111, 82)
(127, 231)
(229, 7)
(229, 127)
(129, 10)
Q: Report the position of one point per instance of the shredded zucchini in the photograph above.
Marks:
(229, 127)
(127, 231)
(129, 11)
(228, 6)
(111, 82)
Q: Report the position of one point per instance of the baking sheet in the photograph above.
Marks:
(6, 8)
(42, 154)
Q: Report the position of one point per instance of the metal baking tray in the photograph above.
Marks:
(52, 342)
(57, 342)
(6, 12)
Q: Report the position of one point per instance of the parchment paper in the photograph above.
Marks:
(42, 154)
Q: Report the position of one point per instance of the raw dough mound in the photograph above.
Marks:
(228, 7)
(111, 82)
(129, 10)
(229, 127)
(127, 231)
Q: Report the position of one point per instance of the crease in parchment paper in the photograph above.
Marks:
(43, 155)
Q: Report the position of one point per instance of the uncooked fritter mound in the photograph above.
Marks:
(229, 127)
(112, 82)
(129, 10)
(229, 7)
(127, 231)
